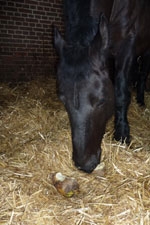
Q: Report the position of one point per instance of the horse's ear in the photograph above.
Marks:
(103, 29)
(58, 41)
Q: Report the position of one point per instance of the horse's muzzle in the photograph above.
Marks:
(88, 165)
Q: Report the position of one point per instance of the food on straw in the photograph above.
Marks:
(100, 170)
(67, 186)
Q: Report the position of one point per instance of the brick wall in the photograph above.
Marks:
(26, 37)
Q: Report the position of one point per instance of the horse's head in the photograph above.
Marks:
(87, 93)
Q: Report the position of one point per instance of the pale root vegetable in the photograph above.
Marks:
(67, 186)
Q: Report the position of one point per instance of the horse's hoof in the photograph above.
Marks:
(122, 139)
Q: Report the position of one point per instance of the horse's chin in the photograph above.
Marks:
(89, 164)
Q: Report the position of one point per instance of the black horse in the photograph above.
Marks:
(96, 54)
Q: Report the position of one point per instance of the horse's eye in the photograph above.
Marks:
(100, 103)
(96, 102)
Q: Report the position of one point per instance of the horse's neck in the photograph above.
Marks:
(101, 6)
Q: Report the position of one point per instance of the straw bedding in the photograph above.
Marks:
(35, 142)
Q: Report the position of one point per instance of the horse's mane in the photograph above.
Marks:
(80, 26)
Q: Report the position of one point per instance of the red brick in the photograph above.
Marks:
(27, 37)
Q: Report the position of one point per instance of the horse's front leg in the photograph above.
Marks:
(122, 94)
